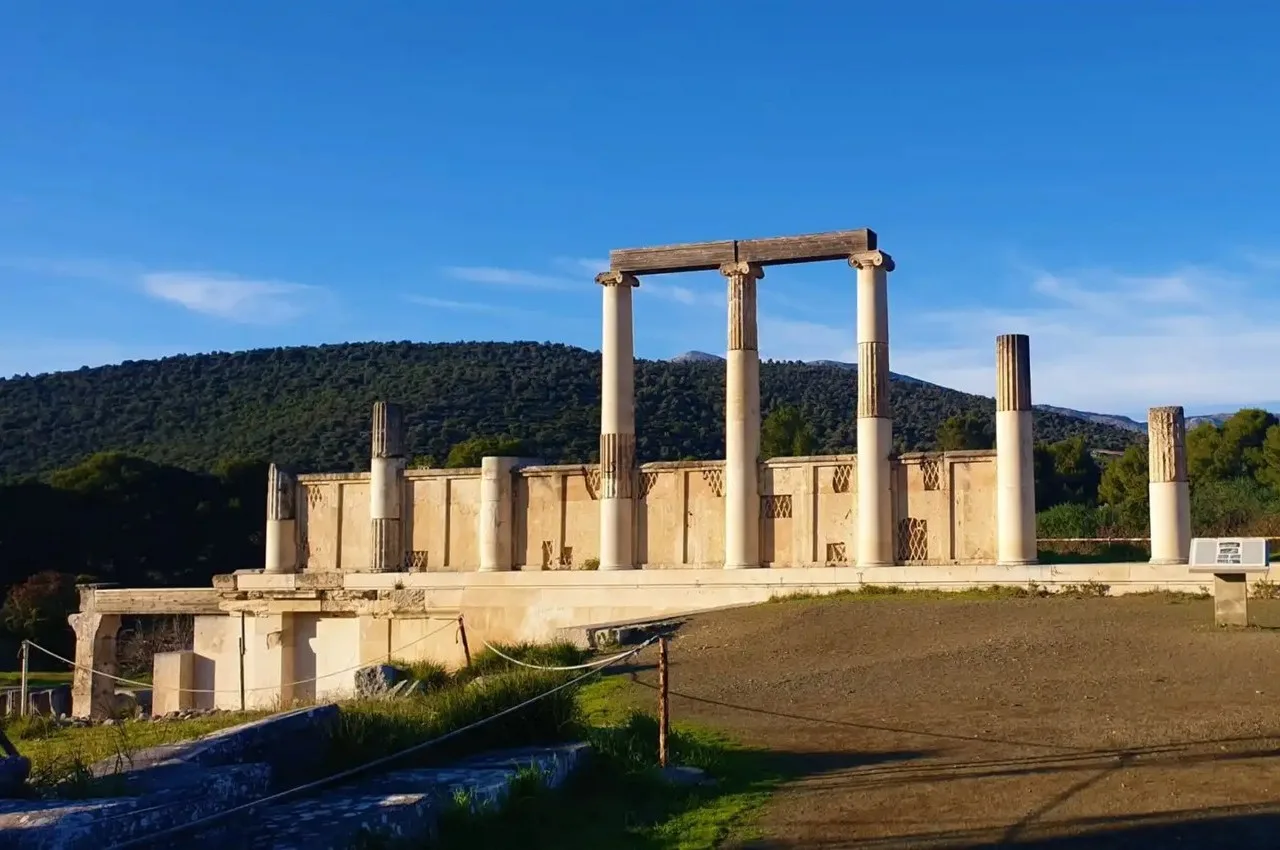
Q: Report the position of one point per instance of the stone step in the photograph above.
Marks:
(163, 797)
(401, 805)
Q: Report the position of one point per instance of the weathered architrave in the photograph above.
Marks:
(687, 257)
(778, 250)
(810, 248)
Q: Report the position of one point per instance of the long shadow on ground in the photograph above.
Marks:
(1239, 829)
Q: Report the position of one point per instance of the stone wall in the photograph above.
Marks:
(944, 513)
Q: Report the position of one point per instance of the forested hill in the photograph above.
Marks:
(309, 407)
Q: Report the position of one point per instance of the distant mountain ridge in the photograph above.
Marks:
(308, 407)
(705, 357)
(1114, 420)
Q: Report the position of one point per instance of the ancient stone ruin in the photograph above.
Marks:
(360, 567)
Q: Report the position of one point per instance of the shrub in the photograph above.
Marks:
(1067, 520)
(557, 654)
(431, 674)
(369, 729)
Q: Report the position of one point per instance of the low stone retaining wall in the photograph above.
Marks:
(170, 785)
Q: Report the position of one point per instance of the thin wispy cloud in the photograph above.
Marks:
(232, 298)
(1109, 341)
(466, 306)
(219, 295)
(494, 276)
(1101, 339)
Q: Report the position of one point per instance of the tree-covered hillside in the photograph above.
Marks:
(309, 407)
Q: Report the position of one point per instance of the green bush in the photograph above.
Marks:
(370, 729)
(1067, 520)
(431, 674)
(1235, 506)
(558, 654)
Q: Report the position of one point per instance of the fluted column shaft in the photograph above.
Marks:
(1169, 491)
(617, 424)
(496, 513)
(282, 522)
(386, 487)
(742, 420)
(875, 420)
(1015, 446)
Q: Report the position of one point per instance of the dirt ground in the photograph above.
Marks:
(1047, 723)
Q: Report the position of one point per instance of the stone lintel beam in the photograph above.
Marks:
(778, 250)
(157, 600)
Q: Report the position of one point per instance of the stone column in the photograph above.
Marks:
(386, 487)
(1015, 463)
(282, 521)
(875, 419)
(617, 424)
(91, 695)
(496, 518)
(1170, 494)
(742, 420)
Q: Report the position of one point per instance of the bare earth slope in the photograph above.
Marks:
(1049, 723)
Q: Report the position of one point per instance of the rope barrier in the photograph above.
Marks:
(144, 841)
(138, 684)
(588, 665)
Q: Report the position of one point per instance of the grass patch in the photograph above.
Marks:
(872, 592)
(64, 754)
(373, 728)
(35, 680)
(618, 800)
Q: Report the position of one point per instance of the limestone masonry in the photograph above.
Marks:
(365, 566)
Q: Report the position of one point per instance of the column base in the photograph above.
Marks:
(744, 566)
(615, 568)
(870, 564)
(1019, 562)
(1168, 562)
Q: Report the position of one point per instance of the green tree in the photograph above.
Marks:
(1125, 487)
(37, 608)
(1204, 453)
(965, 432)
(1076, 474)
(468, 453)
(785, 433)
(1269, 469)
(1242, 438)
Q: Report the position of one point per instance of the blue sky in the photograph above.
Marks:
(184, 177)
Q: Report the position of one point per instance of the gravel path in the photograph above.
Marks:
(1127, 722)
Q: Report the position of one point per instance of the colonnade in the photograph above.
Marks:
(875, 523)
(1015, 474)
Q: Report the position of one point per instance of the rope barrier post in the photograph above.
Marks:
(25, 652)
(664, 705)
(242, 652)
(462, 635)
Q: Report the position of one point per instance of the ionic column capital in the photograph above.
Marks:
(617, 279)
(872, 259)
(751, 270)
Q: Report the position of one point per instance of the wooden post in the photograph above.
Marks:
(243, 647)
(25, 652)
(664, 705)
(462, 636)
